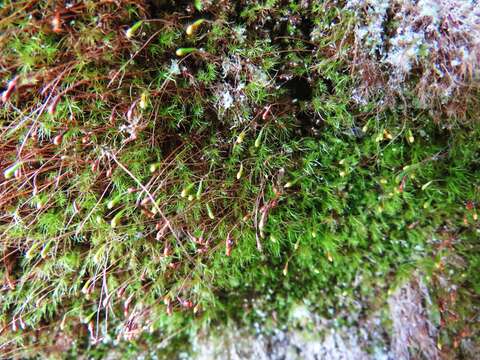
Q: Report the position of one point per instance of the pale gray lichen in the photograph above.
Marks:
(412, 328)
(430, 48)
(310, 336)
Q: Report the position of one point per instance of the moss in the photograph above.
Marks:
(159, 196)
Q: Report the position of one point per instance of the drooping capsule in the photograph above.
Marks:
(52, 108)
(56, 23)
(57, 140)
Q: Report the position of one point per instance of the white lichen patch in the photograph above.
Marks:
(308, 337)
(233, 105)
(430, 47)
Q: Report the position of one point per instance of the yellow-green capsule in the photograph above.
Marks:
(131, 30)
(144, 100)
(240, 137)
(185, 51)
(199, 190)
(86, 286)
(410, 137)
(32, 251)
(154, 167)
(193, 27)
(210, 212)
(97, 258)
(240, 172)
(424, 186)
(117, 219)
(45, 249)
(186, 191)
(111, 204)
(258, 140)
(40, 203)
(9, 172)
(198, 4)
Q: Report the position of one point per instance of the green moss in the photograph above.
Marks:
(334, 201)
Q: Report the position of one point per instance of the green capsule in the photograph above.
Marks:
(132, 30)
(240, 172)
(45, 249)
(192, 28)
(86, 286)
(32, 251)
(111, 204)
(199, 190)
(240, 137)
(258, 140)
(210, 212)
(185, 51)
(186, 191)
(9, 172)
(117, 219)
(198, 5)
(154, 167)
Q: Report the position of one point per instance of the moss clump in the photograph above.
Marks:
(147, 196)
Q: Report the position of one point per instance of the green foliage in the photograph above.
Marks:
(151, 196)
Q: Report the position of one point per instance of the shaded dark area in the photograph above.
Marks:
(299, 88)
